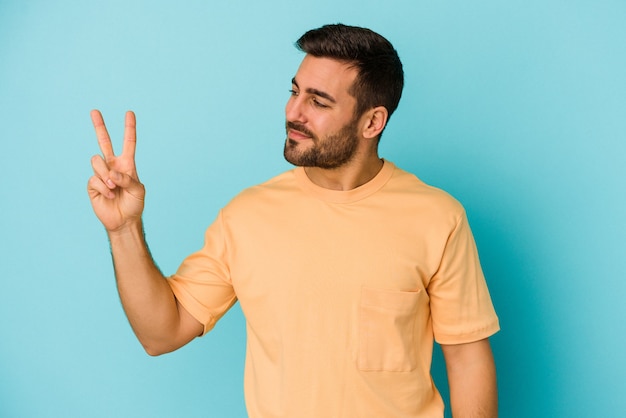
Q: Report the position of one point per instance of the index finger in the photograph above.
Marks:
(104, 141)
(130, 136)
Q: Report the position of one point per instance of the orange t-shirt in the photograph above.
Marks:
(343, 293)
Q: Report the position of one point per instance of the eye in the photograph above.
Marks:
(319, 104)
(293, 92)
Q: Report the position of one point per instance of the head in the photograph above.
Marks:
(346, 88)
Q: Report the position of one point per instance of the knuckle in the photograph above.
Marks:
(92, 183)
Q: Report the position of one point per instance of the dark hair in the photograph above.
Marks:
(380, 77)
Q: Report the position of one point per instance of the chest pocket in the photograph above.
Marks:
(387, 330)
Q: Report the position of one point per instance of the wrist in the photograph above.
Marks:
(130, 229)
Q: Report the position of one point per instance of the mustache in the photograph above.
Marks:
(299, 127)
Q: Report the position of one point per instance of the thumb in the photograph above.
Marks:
(123, 181)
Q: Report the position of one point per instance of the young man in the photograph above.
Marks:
(346, 267)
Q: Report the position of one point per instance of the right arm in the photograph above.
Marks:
(117, 197)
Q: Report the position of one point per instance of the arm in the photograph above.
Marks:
(117, 197)
(472, 379)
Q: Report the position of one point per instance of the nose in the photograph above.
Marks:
(294, 110)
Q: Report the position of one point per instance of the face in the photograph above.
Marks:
(322, 130)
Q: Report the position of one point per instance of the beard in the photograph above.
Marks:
(331, 152)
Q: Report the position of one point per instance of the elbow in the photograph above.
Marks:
(152, 352)
(163, 340)
(154, 349)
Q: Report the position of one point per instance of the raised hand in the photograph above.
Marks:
(116, 194)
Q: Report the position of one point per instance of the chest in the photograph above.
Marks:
(332, 251)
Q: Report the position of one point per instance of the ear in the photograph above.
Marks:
(375, 121)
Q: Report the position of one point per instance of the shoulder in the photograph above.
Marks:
(274, 188)
(409, 189)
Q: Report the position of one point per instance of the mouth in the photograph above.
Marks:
(298, 133)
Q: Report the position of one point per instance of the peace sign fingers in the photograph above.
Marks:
(104, 141)
(130, 136)
(125, 162)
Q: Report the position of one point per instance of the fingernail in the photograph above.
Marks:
(110, 183)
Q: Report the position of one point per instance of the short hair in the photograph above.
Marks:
(380, 76)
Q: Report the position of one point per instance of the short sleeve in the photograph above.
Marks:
(202, 283)
(461, 306)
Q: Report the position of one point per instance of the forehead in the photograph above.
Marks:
(325, 74)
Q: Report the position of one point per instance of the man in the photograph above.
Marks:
(346, 267)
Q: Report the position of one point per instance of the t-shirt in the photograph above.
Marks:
(343, 293)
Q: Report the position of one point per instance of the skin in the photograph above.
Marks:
(313, 114)
(317, 80)
(472, 379)
(159, 321)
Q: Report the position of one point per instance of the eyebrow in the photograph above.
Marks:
(315, 92)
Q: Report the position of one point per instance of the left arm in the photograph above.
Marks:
(472, 379)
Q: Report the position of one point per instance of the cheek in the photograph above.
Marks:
(328, 127)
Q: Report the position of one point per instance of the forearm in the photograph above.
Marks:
(147, 299)
(472, 380)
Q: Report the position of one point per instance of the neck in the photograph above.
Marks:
(347, 177)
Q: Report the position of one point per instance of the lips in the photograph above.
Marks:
(297, 132)
(297, 135)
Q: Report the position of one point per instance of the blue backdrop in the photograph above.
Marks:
(516, 108)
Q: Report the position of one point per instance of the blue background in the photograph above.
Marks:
(516, 108)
